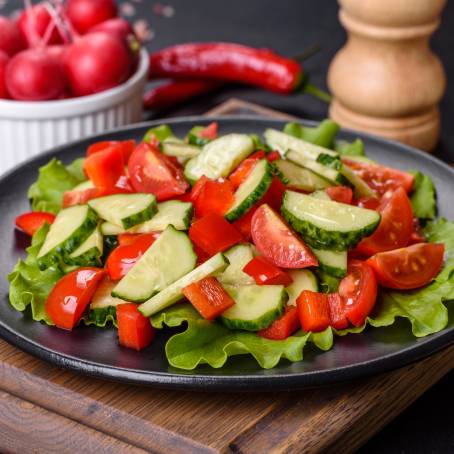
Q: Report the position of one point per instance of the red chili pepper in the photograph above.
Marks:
(313, 309)
(31, 222)
(208, 297)
(265, 273)
(227, 62)
(284, 326)
(134, 330)
(214, 234)
(177, 92)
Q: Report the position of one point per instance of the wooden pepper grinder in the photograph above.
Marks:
(386, 80)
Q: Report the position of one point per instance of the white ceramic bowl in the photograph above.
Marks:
(28, 128)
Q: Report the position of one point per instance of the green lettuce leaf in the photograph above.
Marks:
(76, 169)
(355, 148)
(322, 135)
(29, 286)
(54, 179)
(423, 198)
(101, 317)
(205, 342)
(441, 231)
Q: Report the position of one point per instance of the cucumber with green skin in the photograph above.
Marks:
(361, 188)
(193, 137)
(238, 256)
(219, 157)
(321, 195)
(125, 210)
(70, 229)
(169, 258)
(327, 282)
(251, 190)
(174, 292)
(179, 149)
(325, 224)
(256, 306)
(171, 212)
(298, 177)
(332, 262)
(302, 280)
(89, 253)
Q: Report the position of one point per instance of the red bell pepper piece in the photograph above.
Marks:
(214, 234)
(275, 194)
(313, 309)
(244, 223)
(209, 132)
(342, 194)
(208, 297)
(71, 294)
(273, 156)
(211, 196)
(284, 326)
(337, 311)
(265, 273)
(245, 168)
(125, 146)
(104, 168)
(134, 330)
(31, 222)
(124, 257)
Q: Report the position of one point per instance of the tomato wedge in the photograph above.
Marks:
(408, 268)
(337, 311)
(209, 132)
(245, 168)
(125, 146)
(265, 273)
(395, 228)
(341, 194)
(284, 326)
(211, 196)
(104, 168)
(313, 311)
(380, 178)
(134, 330)
(359, 291)
(275, 194)
(244, 223)
(153, 172)
(277, 242)
(124, 257)
(208, 297)
(31, 222)
(71, 294)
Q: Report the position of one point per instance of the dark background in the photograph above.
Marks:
(289, 26)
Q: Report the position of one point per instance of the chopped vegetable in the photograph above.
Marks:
(134, 330)
(313, 311)
(265, 273)
(283, 327)
(31, 222)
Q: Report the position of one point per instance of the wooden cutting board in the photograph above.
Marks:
(46, 409)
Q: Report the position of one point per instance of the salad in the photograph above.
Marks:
(250, 245)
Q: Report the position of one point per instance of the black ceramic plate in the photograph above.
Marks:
(96, 352)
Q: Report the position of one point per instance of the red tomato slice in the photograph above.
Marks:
(208, 297)
(244, 223)
(275, 194)
(152, 172)
(105, 167)
(31, 222)
(76, 197)
(337, 311)
(341, 194)
(359, 291)
(211, 196)
(408, 268)
(71, 294)
(245, 168)
(313, 310)
(284, 326)
(395, 227)
(265, 273)
(380, 178)
(125, 146)
(370, 203)
(277, 242)
(124, 257)
(134, 330)
(209, 132)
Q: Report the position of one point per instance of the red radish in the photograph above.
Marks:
(35, 23)
(96, 62)
(119, 27)
(85, 14)
(11, 40)
(3, 62)
(34, 75)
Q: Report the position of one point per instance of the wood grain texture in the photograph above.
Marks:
(46, 409)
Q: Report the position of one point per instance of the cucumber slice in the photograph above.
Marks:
(88, 184)
(300, 178)
(332, 262)
(172, 212)
(179, 149)
(125, 210)
(71, 228)
(238, 256)
(173, 292)
(89, 253)
(302, 280)
(256, 306)
(321, 195)
(283, 142)
(328, 173)
(325, 224)
(103, 296)
(166, 260)
(327, 282)
(251, 190)
(219, 157)
(361, 188)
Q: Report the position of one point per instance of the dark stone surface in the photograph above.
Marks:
(290, 26)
